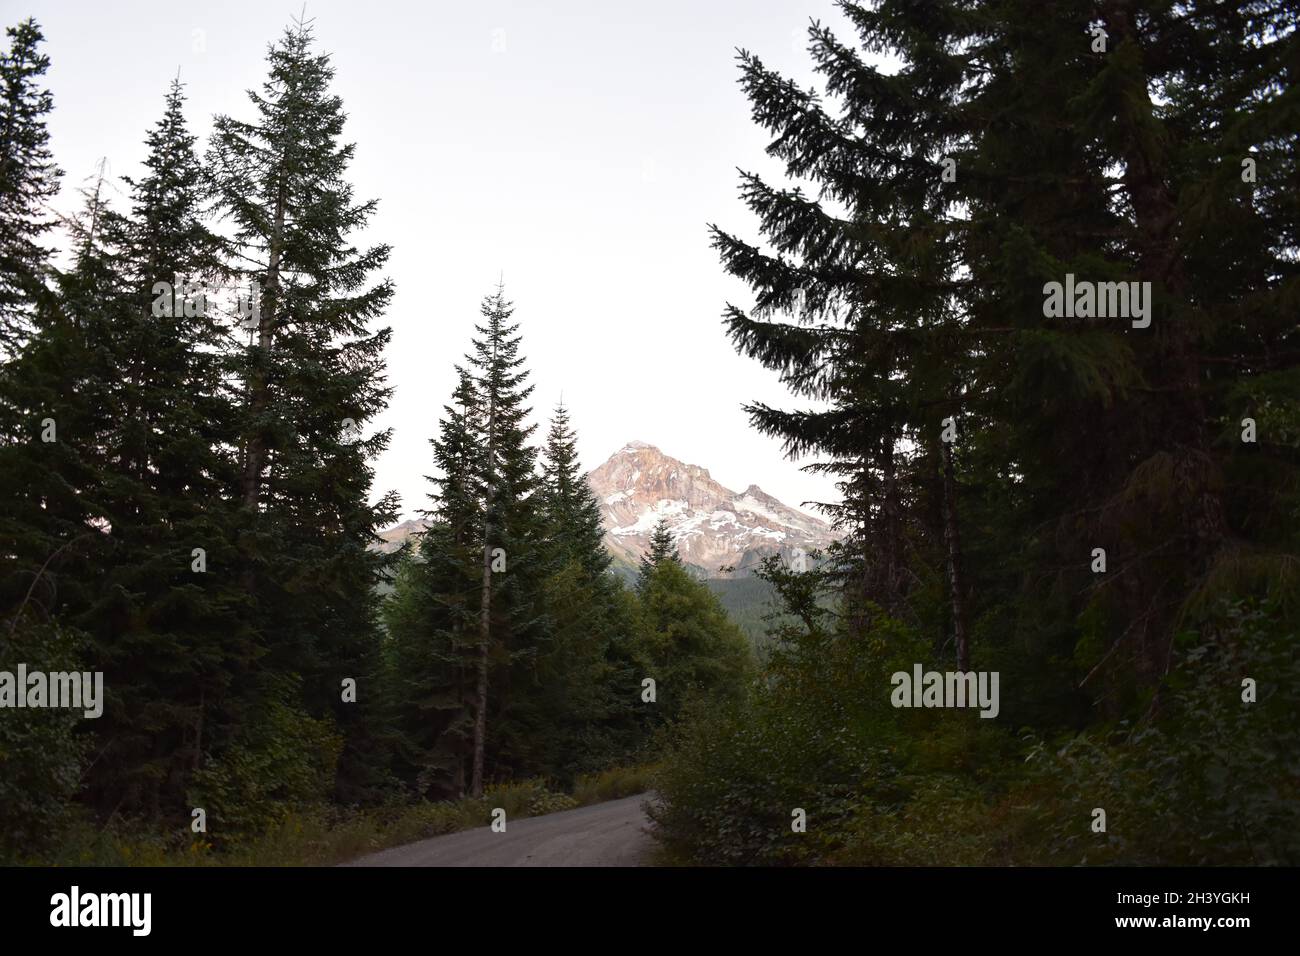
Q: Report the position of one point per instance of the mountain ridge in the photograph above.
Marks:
(714, 527)
(719, 532)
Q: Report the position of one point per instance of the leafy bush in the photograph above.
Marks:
(1201, 778)
(284, 762)
(1207, 778)
(732, 779)
(42, 757)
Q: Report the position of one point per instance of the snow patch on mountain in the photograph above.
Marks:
(713, 526)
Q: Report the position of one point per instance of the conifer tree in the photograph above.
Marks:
(916, 278)
(584, 685)
(43, 522)
(166, 616)
(506, 469)
(60, 391)
(663, 547)
(138, 394)
(53, 541)
(571, 510)
(28, 180)
(312, 377)
(689, 645)
(432, 617)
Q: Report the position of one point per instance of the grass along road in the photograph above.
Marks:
(604, 834)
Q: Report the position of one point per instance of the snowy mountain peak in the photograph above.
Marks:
(714, 527)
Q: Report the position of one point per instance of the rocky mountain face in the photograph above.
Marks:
(398, 534)
(714, 527)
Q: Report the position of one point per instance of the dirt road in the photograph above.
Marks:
(605, 834)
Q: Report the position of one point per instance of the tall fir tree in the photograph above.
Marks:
(29, 179)
(313, 377)
(168, 617)
(999, 157)
(57, 402)
(1087, 497)
(509, 614)
(432, 617)
(54, 541)
(585, 686)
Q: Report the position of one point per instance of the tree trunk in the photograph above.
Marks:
(198, 731)
(953, 541)
(255, 457)
(481, 692)
(891, 520)
(1155, 213)
(1173, 367)
(485, 608)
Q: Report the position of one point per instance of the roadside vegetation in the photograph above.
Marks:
(325, 835)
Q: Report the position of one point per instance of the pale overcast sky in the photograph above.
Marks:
(578, 147)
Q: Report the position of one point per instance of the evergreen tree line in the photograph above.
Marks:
(518, 652)
(1106, 513)
(186, 470)
(186, 501)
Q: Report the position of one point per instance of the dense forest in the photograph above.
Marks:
(187, 482)
(1104, 512)
(1033, 290)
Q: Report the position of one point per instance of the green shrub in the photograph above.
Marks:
(613, 784)
(1205, 778)
(733, 777)
(526, 798)
(42, 756)
(1201, 778)
(284, 762)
